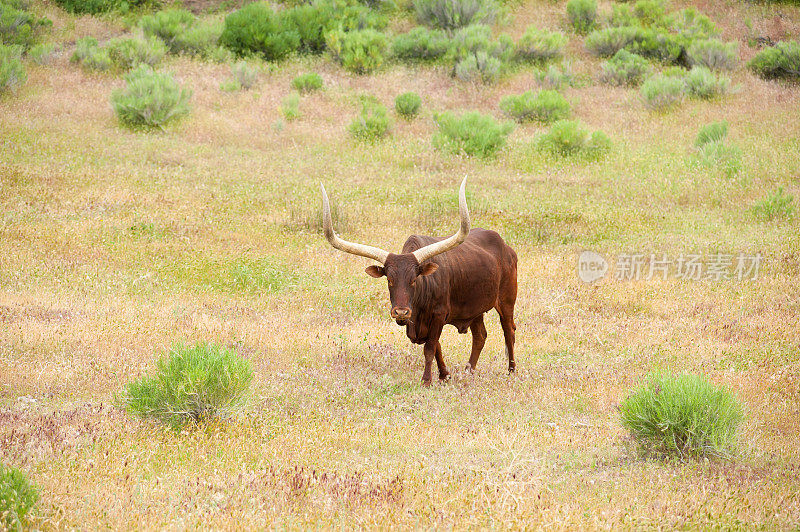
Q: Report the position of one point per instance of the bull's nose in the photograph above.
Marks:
(401, 313)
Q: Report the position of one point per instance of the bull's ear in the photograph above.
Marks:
(375, 271)
(428, 268)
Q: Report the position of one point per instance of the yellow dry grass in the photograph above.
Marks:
(116, 244)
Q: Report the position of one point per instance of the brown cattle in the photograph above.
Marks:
(436, 282)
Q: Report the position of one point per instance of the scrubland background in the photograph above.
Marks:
(116, 244)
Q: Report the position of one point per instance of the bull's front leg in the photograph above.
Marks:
(430, 352)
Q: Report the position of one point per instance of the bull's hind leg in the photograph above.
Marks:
(478, 340)
(506, 312)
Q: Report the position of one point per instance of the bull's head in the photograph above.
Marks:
(401, 270)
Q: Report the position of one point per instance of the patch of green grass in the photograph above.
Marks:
(191, 384)
(17, 498)
(684, 415)
(308, 82)
(471, 133)
(778, 204)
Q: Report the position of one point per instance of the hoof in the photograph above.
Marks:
(427, 383)
(469, 370)
(444, 377)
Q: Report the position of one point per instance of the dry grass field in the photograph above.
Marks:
(116, 244)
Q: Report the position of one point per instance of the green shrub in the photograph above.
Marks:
(421, 44)
(311, 23)
(683, 416)
(477, 56)
(692, 25)
(621, 15)
(95, 7)
(12, 71)
(150, 99)
(653, 43)
(609, 41)
(777, 204)
(200, 40)
(661, 92)
(581, 15)
(568, 138)
(555, 77)
(702, 83)
(191, 384)
(779, 61)
(713, 54)
(42, 54)
(167, 25)
(624, 68)
(471, 133)
(17, 498)
(20, 27)
(451, 15)
(244, 75)
(545, 106)
(258, 29)
(308, 82)
(90, 56)
(714, 132)
(359, 51)
(713, 153)
(651, 13)
(372, 124)
(290, 107)
(540, 45)
(407, 104)
(131, 52)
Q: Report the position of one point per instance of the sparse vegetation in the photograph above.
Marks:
(582, 15)
(714, 153)
(244, 75)
(42, 53)
(407, 105)
(682, 415)
(290, 108)
(540, 45)
(544, 106)
(308, 82)
(567, 138)
(150, 99)
(193, 383)
(372, 123)
(471, 133)
(556, 77)
(776, 204)
(779, 61)
(12, 71)
(624, 68)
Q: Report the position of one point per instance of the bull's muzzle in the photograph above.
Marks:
(401, 314)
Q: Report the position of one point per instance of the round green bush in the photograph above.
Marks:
(779, 61)
(568, 138)
(372, 124)
(581, 15)
(95, 7)
(407, 104)
(308, 82)
(150, 99)
(471, 133)
(17, 498)
(663, 92)
(359, 51)
(453, 14)
(545, 106)
(191, 384)
(624, 68)
(540, 45)
(682, 415)
(258, 29)
(421, 44)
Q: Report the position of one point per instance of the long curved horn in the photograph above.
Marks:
(348, 247)
(436, 248)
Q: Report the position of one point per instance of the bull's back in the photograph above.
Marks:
(472, 272)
